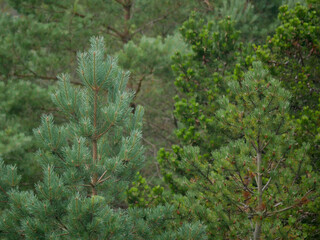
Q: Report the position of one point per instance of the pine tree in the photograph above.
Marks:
(292, 55)
(31, 33)
(256, 184)
(88, 164)
(202, 78)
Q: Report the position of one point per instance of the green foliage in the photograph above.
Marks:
(90, 156)
(21, 103)
(243, 14)
(254, 18)
(142, 195)
(199, 125)
(292, 55)
(37, 34)
(88, 163)
(202, 77)
(255, 185)
(149, 62)
(39, 39)
(8, 180)
(154, 53)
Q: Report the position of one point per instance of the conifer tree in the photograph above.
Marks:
(292, 55)
(31, 33)
(254, 187)
(88, 164)
(202, 78)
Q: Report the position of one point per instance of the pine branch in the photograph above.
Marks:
(290, 207)
(115, 32)
(3, 191)
(266, 185)
(102, 175)
(120, 2)
(107, 130)
(43, 77)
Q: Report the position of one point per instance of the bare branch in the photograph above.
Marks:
(290, 207)
(43, 77)
(150, 23)
(266, 186)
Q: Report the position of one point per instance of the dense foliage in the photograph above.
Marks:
(293, 55)
(230, 90)
(87, 165)
(246, 188)
(219, 58)
(21, 104)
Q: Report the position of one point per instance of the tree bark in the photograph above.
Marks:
(95, 140)
(257, 231)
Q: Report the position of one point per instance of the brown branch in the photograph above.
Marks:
(120, 2)
(207, 3)
(43, 77)
(101, 181)
(95, 88)
(60, 156)
(254, 145)
(104, 132)
(115, 31)
(102, 175)
(241, 179)
(267, 184)
(151, 23)
(139, 86)
(74, 13)
(290, 207)
(4, 191)
(79, 14)
(36, 76)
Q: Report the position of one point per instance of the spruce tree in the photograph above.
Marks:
(254, 187)
(88, 163)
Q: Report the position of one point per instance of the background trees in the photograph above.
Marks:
(21, 104)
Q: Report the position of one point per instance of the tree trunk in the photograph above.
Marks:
(257, 231)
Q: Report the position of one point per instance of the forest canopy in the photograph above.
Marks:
(159, 119)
